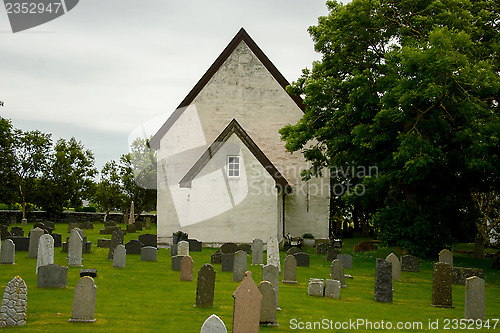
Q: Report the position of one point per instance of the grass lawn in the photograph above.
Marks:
(148, 296)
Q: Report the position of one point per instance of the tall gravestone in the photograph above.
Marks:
(239, 265)
(441, 285)
(475, 306)
(246, 308)
(186, 273)
(446, 256)
(268, 304)
(8, 252)
(45, 251)
(205, 286)
(383, 281)
(227, 262)
(337, 272)
(176, 263)
(257, 252)
(35, 235)
(213, 324)
(270, 273)
(273, 253)
(396, 266)
(116, 239)
(14, 303)
(183, 248)
(478, 248)
(84, 301)
(290, 270)
(410, 263)
(52, 276)
(75, 248)
(120, 256)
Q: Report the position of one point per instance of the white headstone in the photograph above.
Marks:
(396, 266)
(8, 252)
(446, 256)
(183, 248)
(75, 249)
(119, 256)
(273, 253)
(213, 324)
(45, 251)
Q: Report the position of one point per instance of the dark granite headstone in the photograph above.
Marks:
(4, 232)
(57, 239)
(409, 263)
(245, 247)
(216, 258)
(441, 285)
(173, 250)
(322, 249)
(50, 225)
(74, 225)
(460, 274)
(302, 259)
(148, 240)
(205, 286)
(194, 245)
(228, 248)
(22, 243)
(116, 238)
(39, 225)
(227, 262)
(331, 254)
(293, 250)
(17, 232)
(133, 247)
(88, 272)
(52, 276)
(87, 246)
(176, 263)
(383, 281)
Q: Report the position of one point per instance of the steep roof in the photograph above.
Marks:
(235, 128)
(242, 35)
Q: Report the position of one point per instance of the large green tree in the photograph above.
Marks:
(410, 87)
(8, 188)
(108, 191)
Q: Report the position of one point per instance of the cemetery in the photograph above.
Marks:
(113, 289)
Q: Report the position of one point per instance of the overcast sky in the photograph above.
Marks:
(106, 67)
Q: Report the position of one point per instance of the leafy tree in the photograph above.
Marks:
(411, 87)
(7, 158)
(108, 192)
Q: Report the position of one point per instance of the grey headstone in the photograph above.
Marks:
(271, 273)
(87, 246)
(446, 256)
(176, 263)
(273, 254)
(239, 265)
(396, 266)
(331, 254)
(322, 249)
(173, 250)
(257, 252)
(4, 232)
(332, 288)
(183, 248)
(268, 303)
(149, 240)
(116, 239)
(290, 269)
(205, 286)
(460, 274)
(293, 250)
(84, 301)
(383, 281)
(213, 324)
(475, 307)
(195, 245)
(120, 257)
(148, 253)
(52, 276)
(228, 248)
(134, 246)
(216, 258)
(148, 223)
(346, 260)
(75, 248)
(441, 285)
(302, 259)
(57, 239)
(8, 252)
(35, 235)
(316, 287)
(22, 243)
(45, 251)
(410, 263)
(227, 262)
(14, 303)
(478, 248)
(337, 272)
(103, 243)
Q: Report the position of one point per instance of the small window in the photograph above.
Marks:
(233, 166)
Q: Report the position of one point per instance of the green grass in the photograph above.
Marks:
(148, 296)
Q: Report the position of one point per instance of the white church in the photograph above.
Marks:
(223, 172)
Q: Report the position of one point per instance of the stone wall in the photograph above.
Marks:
(8, 216)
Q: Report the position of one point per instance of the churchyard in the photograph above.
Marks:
(148, 296)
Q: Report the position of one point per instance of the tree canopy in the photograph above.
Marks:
(411, 88)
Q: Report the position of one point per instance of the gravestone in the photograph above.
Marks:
(74, 225)
(88, 272)
(45, 251)
(460, 274)
(302, 259)
(246, 308)
(293, 250)
(134, 246)
(148, 223)
(22, 243)
(409, 263)
(4, 232)
(183, 248)
(346, 260)
(39, 225)
(383, 281)
(87, 225)
(173, 250)
(441, 285)
(205, 286)
(270, 273)
(131, 229)
(195, 245)
(14, 303)
(186, 273)
(149, 253)
(227, 262)
(496, 261)
(57, 239)
(257, 252)
(478, 248)
(116, 239)
(290, 270)
(213, 324)
(24, 222)
(228, 248)
(316, 287)
(34, 235)
(216, 258)
(52, 276)
(245, 247)
(273, 253)
(239, 265)
(120, 256)
(446, 256)
(396, 266)
(75, 248)
(13, 220)
(8, 252)
(148, 240)
(84, 301)
(331, 254)
(176, 263)
(103, 243)
(322, 249)
(17, 232)
(268, 304)
(475, 306)
(332, 288)
(337, 272)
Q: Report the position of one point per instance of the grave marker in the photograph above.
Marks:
(34, 236)
(119, 256)
(239, 265)
(396, 266)
(446, 256)
(332, 288)
(213, 324)
(149, 253)
(409, 263)
(75, 248)
(346, 260)
(475, 307)
(383, 281)
(186, 269)
(116, 239)
(183, 248)
(227, 261)
(205, 286)
(45, 251)
(176, 263)
(290, 270)
(268, 304)
(302, 259)
(52, 276)
(134, 246)
(441, 285)
(84, 301)
(148, 240)
(14, 303)
(246, 309)
(8, 252)
(316, 287)
(273, 253)
(270, 273)
(337, 272)
(257, 252)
